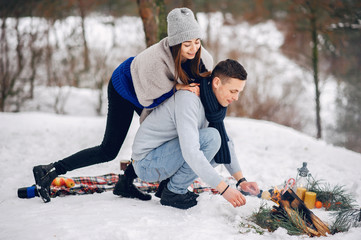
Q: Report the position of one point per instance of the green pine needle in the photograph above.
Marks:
(334, 198)
(345, 219)
(265, 218)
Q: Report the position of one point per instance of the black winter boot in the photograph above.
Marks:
(126, 188)
(44, 175)
(192, 195)
(161, 187)
(182, 201)
(164, 183)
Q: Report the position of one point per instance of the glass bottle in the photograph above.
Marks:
(301, 181)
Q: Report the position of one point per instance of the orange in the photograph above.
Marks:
(327, 205)
(318, 204)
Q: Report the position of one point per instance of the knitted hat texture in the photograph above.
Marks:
(182, 26)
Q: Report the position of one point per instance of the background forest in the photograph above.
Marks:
(322, 38)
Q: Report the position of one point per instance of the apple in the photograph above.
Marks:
(69, 183)
(58, 181)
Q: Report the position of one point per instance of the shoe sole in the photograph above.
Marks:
(43, 195)
(179, 205)
(127, 195)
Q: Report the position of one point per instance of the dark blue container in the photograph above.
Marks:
(28, 192)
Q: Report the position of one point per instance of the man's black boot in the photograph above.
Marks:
(126, 188)
(182, 201)
(164, 183)
(161, 187)
(44, 175)
(192, 195)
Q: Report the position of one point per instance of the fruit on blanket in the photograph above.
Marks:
(318, 204)
(327, 205)
(69, 183)
(58, 181)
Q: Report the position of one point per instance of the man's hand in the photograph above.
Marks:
(250, 187)
(234, 197)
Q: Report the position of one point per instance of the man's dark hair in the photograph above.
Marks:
(229, 69)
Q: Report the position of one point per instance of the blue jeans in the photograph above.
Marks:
(167, 161)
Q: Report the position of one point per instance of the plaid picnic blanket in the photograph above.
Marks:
(86, 185)
(104, 183)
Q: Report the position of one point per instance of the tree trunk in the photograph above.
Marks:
(147, 12)
(4, 63)
(9, 75)
(315, 70)
(187, 3)
(49, 54)
(82, 12)
(162, 19)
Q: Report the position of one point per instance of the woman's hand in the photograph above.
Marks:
(193, 87)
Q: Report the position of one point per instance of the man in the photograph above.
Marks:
(175, 145)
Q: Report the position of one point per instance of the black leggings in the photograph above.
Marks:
(120, 115)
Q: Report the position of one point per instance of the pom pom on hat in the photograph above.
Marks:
(182, 26)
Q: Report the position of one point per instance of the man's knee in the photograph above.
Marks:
(211, 136)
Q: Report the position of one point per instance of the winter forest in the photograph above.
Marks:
(301, 104)
(56, 44)
(303, 56)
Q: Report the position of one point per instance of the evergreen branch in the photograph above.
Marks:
(282, 220)
(345, 219)
(335, 198)
(272, 219)
(263, 218)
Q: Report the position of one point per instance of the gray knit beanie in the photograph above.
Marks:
(182, 26)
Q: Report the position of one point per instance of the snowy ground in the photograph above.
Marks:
(268, 153)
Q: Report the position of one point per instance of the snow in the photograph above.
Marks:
(257, 47)
(268, 153)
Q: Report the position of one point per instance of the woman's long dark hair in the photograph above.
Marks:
(179, 72)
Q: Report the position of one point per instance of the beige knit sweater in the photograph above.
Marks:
(153, 71)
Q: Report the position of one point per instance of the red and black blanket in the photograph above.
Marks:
(103, 183)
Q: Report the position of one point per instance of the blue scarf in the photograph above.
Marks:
(215, 114)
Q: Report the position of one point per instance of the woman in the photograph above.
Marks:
(141, 82)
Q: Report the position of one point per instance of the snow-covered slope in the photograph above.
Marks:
(268, 153)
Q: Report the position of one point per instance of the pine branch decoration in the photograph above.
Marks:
(336, 198)
(345, 219)
(263, 218)
(272, 219)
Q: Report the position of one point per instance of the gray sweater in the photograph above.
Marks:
(153, 71)
(182, 115)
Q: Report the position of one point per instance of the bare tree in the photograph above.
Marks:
(314, 29)
(83, 7)
(35, 58)
(161, 19)
(9, 72)
(147, 12)
(310, 39)
(188, 3)
(100, 75)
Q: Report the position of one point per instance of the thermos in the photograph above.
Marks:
(28, 192)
